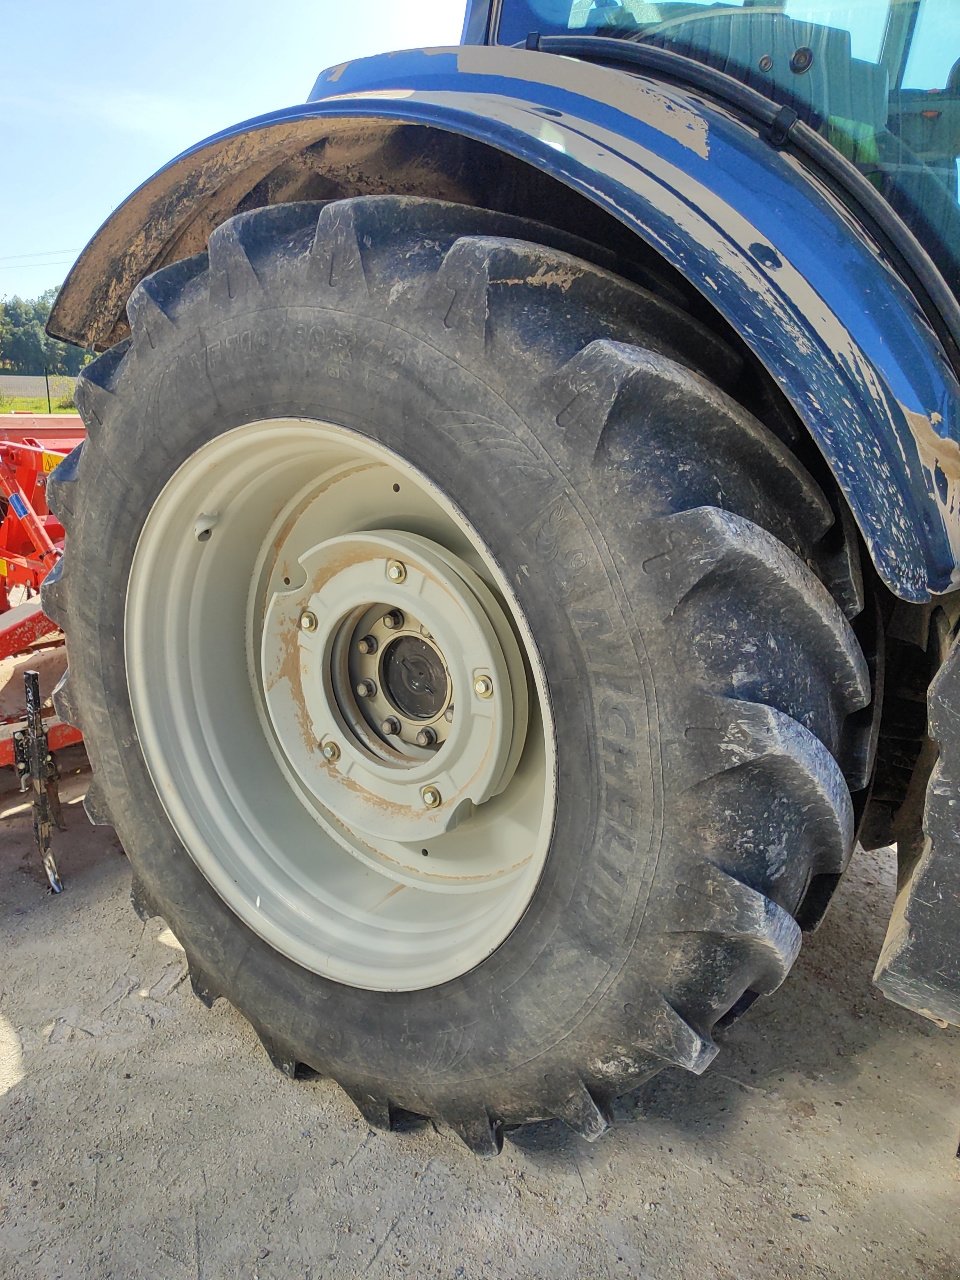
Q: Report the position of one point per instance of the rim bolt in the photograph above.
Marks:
(396, 571)
(483, 687)
(426, 737)
(393, 620)
(330, 752)
(367, 644)
(366, 689)
(390, 726)
(308, 621)
(448, 714)
(431, 797)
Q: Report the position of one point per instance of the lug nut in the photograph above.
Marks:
(426, 738)
(390, 726)
(330, 751)
(367, 644)
(308, 621)
(448, 714)
(366, 689)
(483, 687)
(393, 620)
(431, 797)
(396, 571)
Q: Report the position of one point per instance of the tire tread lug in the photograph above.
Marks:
(718, 903)
(94, 393)
(582, 1112)
(232, 274)
(95, 805)
(142, 900)
(205, 990)
(481, 1132)
(337, 263)
(375, 1108)
(669, 1036)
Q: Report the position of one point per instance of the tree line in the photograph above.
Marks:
(25, 348)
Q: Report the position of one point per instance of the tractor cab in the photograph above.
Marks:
(880, 79)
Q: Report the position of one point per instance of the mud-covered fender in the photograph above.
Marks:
(775, 254)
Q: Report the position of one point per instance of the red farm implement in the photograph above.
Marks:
(31, 539)
(31, 542)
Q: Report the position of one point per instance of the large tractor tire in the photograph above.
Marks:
(468, 675)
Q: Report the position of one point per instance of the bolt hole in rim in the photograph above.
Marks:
(306, 818)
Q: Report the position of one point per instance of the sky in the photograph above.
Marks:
(96, 95)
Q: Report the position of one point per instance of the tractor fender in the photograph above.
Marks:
(771, 249)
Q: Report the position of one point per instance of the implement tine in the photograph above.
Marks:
(42, 773)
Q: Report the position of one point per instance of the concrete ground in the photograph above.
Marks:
(143, 1136)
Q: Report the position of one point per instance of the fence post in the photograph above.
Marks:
(47, 381)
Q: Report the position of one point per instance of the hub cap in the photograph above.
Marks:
(340, 705)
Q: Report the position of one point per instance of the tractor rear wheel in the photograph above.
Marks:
(466, 672)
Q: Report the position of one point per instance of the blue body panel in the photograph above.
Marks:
(776, 255)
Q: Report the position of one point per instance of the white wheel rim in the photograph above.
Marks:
(356, 849)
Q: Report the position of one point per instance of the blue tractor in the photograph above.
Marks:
(515, 552)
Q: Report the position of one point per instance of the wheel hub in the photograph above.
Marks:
(398, 680)
(401, 635)
(415, 678)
